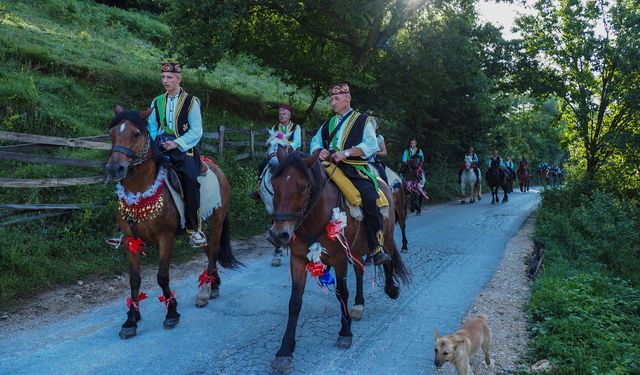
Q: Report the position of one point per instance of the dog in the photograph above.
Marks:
(461, 345)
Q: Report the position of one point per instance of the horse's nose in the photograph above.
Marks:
(116, 170)
(279, 239)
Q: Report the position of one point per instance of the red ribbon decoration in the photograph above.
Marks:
(204, 278)
(168, 301)
(135, 245)
(315, 269)
(136, 305)
(333, 229)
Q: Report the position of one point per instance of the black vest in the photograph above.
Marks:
(351, 136)
(181, 118)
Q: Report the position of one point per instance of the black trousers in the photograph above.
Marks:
(373, 220)
(188, 168)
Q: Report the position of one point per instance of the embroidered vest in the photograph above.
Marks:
(181, 115)
(288, 129)
(351, 135)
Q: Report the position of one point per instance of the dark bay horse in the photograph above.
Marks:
(413, 176)
(304, 198)
(497, 178)
(135, 163)
(523, 176)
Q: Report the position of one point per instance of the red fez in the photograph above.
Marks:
(170, 67)
(284, 106)
(340, 88)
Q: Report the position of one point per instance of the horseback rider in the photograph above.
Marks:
(175, 125)
(509, 165)
(376, 159)
(474, 164)
(284, 126)
(349, 139)
(411, 151)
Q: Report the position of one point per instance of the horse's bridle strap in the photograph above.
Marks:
(286, 216)
(124, 150)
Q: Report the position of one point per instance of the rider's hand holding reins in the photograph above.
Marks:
(169, 145)
(324, 154)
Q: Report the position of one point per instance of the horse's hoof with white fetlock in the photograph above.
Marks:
(276, 262)
(128, 332)
(344, 342)
(171, 322)
(282, 364)
(202, 299)
(356, 312)
(215, 292)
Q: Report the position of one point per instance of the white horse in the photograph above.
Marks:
(275, 140)
(469, 178)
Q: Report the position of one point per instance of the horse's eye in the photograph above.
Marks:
(302, 188)
(136, 134)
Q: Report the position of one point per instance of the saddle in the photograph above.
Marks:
(351, 194)
(210, 197)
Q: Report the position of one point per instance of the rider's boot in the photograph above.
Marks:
(379, 254)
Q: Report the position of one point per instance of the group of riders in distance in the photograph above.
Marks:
(333, 207)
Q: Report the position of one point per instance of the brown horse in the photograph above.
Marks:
(135, 163)
(304, 198)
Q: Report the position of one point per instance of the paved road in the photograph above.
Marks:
(454, 251)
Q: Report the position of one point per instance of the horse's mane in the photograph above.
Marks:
(131, 116)
(296, 160)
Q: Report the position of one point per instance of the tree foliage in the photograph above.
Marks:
(587, 53)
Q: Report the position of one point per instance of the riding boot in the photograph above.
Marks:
(379, 254)
(191, 188)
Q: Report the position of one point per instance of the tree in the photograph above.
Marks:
(586, 53)
(310, 43)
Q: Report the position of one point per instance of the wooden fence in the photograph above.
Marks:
(249, 143)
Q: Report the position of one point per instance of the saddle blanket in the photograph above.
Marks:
(210, 197)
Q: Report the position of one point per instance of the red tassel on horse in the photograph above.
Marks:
(205, 278)
(315, 269)
(135, 245)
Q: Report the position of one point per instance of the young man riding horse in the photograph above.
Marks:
(349, 139)
(175, 125)
(474, 164)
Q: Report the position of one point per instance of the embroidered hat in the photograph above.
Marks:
(340, 88)
(285, 107)
(170, 67)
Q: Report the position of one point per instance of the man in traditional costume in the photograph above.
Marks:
(349, 139)
(474, 164)
(175, 124)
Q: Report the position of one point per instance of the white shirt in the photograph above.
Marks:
(369, 145)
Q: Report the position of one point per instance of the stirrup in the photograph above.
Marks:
(198, 239)
(116, 242)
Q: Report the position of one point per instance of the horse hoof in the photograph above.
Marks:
(202, 302)
(282, 364)
(392, 291)
(276, 262)
(127, 333)
(479, 198)
(215, 292)
(344, 342)
(356, 312)
(404, 250)
(461, 202)
(202, 299)
(171, 322)
(472, 201)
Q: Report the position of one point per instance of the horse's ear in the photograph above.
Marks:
(145, 115)
(436, 335)
(118, 110)
(281, 154)
(311, 159)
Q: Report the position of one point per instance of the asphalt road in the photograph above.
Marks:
(453, 251)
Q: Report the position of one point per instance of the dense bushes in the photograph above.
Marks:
(585, 308)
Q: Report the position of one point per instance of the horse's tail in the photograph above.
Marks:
(225, 255)
(398, 270)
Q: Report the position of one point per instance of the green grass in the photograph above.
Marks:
(585, 306)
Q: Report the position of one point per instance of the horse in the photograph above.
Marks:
(543, 174)
(497, 178)
(413, 183)
(135, 163)
(275, 140)
(468, 178)
(304, 198)
(399, 202)
(523, 176)
(554, 177)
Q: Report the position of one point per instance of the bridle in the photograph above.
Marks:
(141, 157)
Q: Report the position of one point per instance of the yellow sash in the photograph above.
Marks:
(348, 189)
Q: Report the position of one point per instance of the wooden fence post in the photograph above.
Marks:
(221, 140)
(252, 142)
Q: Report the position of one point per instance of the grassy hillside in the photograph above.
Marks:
(65, 64)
